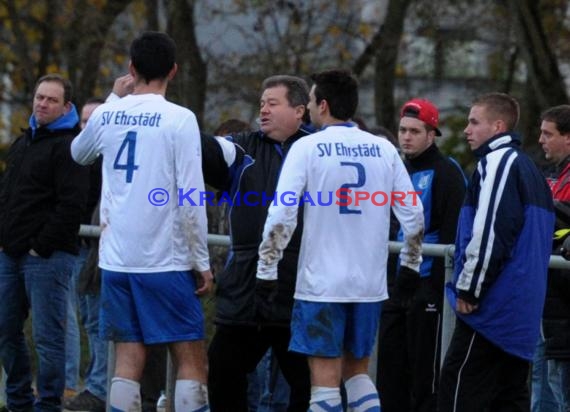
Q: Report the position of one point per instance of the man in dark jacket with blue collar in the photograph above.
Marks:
(42, 196)
(250, 320)
(502, 251)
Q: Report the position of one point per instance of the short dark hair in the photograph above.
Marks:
(560, 116)
(500, 106)
(297, 88)
(54, 77)
(153, 54)
(340, 89)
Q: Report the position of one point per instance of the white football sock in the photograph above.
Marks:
(361, 394)
(125, 395)
(325, 399)
(190, 396)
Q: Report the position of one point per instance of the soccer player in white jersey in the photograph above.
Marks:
(347, 179)
(151, 240)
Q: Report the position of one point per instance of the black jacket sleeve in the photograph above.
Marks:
(71, 185)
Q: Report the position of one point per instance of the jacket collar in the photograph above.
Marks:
(303, 130)
(425, 158)
(507, 139)
(562, 165)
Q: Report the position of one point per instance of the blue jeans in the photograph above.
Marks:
(41, 285)
(96, 374)
(72, 335)
(269, 391)
(559, 381)
(541, 399)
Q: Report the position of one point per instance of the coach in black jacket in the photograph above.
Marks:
(42, 195)
(249, 321)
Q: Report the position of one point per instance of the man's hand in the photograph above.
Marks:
(204, 282)
(265, 294)
(266, 289)
(124, 85)
(406, 284)
(465, 308)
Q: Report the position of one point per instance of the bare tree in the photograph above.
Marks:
(386, 57)
(541, 62)
(89, 30)
(189, 85)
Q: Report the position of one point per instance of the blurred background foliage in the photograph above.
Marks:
(446, 50)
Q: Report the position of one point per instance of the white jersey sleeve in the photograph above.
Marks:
(86, 146)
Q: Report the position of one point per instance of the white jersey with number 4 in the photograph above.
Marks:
(151, 149)
(348, 179)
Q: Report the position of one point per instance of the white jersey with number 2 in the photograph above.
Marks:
(349, 180)
(151, 217)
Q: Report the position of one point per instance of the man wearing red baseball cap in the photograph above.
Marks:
(410, 331)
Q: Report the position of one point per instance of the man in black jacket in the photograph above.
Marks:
(410, 329)
(42, 196)
(249, 320)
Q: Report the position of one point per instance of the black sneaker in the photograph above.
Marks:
(84, 402)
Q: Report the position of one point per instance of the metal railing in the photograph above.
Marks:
(436, 250)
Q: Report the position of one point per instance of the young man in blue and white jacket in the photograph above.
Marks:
(503, 247)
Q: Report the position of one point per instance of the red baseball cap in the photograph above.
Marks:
(423, 110)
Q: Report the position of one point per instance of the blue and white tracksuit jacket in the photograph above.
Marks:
(503, 247)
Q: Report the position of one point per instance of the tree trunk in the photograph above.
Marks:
(189, 85)
(385, 63)
(545, 85)
(84, 56)
(541, 62)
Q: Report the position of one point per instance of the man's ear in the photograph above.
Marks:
(323, 107)
(172, 72)
(300, 111)
(500, 126)
(67, 106)
(132, 71)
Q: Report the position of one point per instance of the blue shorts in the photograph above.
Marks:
(150, 307)
(327, 330)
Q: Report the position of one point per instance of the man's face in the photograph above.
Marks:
(480, 127)
(86, 112)
(556, 146)
(413, 137)
(49, 102)
(278, 119)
